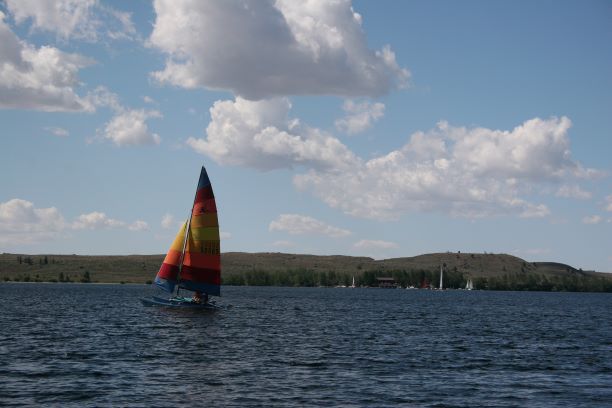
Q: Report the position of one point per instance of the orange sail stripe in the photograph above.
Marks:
(173, 257)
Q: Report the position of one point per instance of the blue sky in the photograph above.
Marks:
(382, 129)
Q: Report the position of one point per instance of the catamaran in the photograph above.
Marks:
(193, 262)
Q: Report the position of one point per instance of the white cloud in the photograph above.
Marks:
(103, 97)
(374, 244)
(609, 203)
(296, 224)
(573, 191)
(592, 219)
(129, 128)
(168, 221)
(96, 220)
(148, 99)
(473, 173)
(42, 78)
(80, 19)
(271, 48)
(22, 223)
(359, 116)
(138, 225)
(261, 135)
(57, 131)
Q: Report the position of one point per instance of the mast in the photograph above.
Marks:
(441, 277)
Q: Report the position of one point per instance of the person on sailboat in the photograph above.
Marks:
(197, 297)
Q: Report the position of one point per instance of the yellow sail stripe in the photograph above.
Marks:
(204, 220)
(204, 247)
(204, 234)
(177, 244)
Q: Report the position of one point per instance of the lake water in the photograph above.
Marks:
(96, 345)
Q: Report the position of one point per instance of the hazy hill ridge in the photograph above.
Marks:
(140, 268)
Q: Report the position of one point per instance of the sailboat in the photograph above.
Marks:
(441, 278)
(469, 285)
(193, 262)
(353, 285)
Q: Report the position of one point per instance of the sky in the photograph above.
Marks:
(370, 128)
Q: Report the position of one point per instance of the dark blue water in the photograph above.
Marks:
(95, 345)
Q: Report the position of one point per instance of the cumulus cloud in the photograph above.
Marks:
(359, 116)
(79, 19)
(96, 220)
(261, 135)
(609, 203)
(374, 244)
(42, 78)
(57, 131)
(22, 223)
(296, 224)
(168, 221)
(573, 191)
(271, 48)
(592, 219)
(129, 128)
(138, 225)
(470, 172)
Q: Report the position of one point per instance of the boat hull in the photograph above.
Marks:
(184, 303)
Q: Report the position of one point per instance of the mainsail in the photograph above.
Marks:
(194, 259)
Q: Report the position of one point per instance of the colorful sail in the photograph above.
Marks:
(195, 263)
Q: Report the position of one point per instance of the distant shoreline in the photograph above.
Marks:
(487, 271)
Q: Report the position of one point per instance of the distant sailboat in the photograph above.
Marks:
(441, 278)
(194, 259)
(469, 285)
(353, 285)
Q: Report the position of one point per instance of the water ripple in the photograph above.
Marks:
(95, 345)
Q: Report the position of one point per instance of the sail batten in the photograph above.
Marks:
(194, 259)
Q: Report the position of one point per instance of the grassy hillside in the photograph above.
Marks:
(142, 268)
(130, 268)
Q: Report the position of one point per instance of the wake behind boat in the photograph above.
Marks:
(193, 262)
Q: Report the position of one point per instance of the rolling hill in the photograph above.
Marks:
(142, 268)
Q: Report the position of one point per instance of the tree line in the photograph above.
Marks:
(420, 278)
